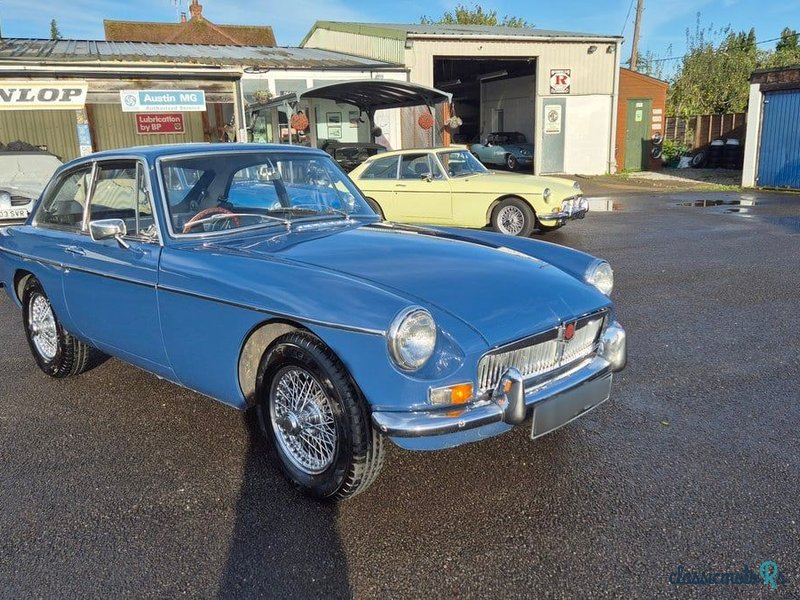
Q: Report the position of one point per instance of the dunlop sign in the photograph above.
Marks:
(42, 95)
(162, 100)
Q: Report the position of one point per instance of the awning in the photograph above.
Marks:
(369, 95)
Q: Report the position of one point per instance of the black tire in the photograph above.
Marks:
(699, 159)
(358, 453)
(511, 162)
(517, 208)
(376, 207)
(71, 356)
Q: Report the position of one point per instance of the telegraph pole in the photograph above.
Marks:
(637, 24)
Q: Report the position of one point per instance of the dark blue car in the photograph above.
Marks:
(258, 275)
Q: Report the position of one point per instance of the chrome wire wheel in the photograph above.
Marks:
(510, 220)
(42, 324)
(301, 415)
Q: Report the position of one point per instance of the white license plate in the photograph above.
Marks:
(13, 213)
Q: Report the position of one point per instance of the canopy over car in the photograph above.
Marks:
(368, 95)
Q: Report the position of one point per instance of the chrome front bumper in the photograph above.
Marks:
(571, 208)
(567, 396)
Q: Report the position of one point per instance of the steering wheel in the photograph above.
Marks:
(207, 212)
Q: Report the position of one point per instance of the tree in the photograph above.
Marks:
(463, 15)
(788, 41)
(787, 50)
(55, 34)
(714, 75)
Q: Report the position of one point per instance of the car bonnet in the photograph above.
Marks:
(501, 293)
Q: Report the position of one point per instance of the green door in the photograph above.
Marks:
(637, 135)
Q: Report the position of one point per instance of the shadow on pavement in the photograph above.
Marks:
(283, 544)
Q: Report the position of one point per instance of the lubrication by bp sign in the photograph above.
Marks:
(162, 100)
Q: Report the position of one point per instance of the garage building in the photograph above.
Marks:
(772, 146)
(67, 95)
(557, 88)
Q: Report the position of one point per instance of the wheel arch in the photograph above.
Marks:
(500, 199)
(256, 344)
(371, 201)
(21, 278)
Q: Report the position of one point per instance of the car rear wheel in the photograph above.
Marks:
(513, 216)
(376, 207)
(511, 162)
(57, 353)
(316, 419)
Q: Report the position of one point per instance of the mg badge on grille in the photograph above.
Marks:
(569, 331)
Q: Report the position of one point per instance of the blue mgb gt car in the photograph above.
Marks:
(258, 275)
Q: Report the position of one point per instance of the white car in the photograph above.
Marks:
(23, 176)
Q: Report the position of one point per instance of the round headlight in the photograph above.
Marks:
(5, 196)
(601, 276)
(546, 194)
(412, 338)
(576, 185)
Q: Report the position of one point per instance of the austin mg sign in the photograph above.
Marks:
(147, 123)
(560, 80)
(162, 100)
(42, 95)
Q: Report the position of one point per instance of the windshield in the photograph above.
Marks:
(460, 163)
(244, 189)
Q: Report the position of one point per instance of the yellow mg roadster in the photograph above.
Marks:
(449, 186)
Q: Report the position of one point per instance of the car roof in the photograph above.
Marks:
(451, 148)
(151, 153)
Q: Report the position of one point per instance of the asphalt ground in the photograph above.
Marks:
(117, 484)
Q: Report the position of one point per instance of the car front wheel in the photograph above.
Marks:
(58, 353)
(511, 162)
(513, 216)
(316, 419)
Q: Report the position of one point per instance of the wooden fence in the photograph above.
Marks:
(699, 131)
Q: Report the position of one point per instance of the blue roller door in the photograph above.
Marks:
(779, 151)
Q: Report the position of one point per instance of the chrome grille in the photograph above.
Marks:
(542, 353)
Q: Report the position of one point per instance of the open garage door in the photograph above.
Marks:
(491, 95)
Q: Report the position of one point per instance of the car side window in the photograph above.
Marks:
(63, 205)
(382, 168)
(414, 166)
(120, 193)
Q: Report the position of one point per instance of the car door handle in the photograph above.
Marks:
(400, 185)
(76, 250)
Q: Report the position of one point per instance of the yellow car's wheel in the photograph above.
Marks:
(514, 216)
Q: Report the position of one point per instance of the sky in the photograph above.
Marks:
(663, 26)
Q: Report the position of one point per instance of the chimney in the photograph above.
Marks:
(196, 9)
(183, 17)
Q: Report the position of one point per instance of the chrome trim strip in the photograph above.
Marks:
(356, 329)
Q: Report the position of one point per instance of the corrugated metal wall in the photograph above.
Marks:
(116, 129)
(779, 152)
(377, 48)
(52, 128)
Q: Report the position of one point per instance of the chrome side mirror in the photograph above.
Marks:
(106, 229)
(426, 177)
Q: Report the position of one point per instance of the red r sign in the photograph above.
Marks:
(560, 81)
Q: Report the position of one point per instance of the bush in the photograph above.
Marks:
(672, 150)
